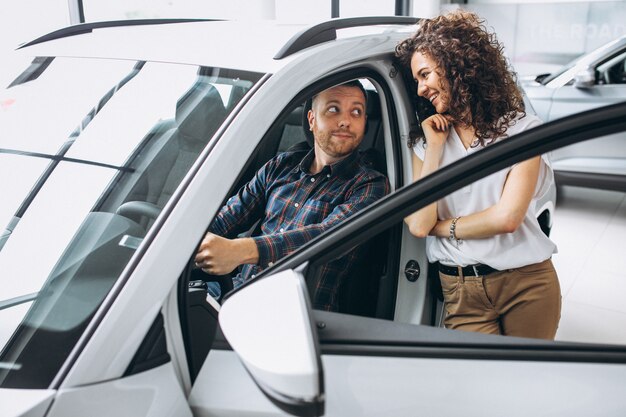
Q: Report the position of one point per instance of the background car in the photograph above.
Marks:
(590, 81)
(122, 141)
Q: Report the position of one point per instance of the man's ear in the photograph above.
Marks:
(310, 118)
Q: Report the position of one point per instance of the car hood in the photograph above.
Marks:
(25, 402)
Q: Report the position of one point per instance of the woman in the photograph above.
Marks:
(495, 268)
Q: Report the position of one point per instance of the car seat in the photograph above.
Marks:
(165, 156)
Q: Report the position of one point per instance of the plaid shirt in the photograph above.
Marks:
(295, 207)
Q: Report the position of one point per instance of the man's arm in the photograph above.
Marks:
(243, 209)
(220, 252)
(276, 246)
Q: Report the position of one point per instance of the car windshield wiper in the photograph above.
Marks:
(12, 302)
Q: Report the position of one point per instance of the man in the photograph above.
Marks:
(299, 195)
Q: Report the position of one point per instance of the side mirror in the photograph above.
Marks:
(268, 324)
(585, 78)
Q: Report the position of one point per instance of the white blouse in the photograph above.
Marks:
(526, 246)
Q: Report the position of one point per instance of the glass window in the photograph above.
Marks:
(95, 156)
(578, 236)
(45, 111)
(613, 71)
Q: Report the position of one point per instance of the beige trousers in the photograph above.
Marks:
(523, 302)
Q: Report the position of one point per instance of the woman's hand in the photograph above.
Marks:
(436, 129)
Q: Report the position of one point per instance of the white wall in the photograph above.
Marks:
(538, 35)
(541, 36)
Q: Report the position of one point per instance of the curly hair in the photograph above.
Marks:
(483, 89)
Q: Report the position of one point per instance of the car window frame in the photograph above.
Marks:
(393, 208)
(263, 149)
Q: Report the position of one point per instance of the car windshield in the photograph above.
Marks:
(601, 53)
(561, 70)
(91, 150)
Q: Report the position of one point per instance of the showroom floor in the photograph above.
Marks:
(590, 231)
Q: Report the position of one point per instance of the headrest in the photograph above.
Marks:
(373, 105)
(200, 111)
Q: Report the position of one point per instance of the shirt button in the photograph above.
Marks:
(312, 179)
(296, 204)
(282, 229)
(327, 175)
(270, 264)
(252, 276)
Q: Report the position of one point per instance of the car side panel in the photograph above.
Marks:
(385, 386)
(569, 99)
(362, 385)
(153, 393)
(606, 155)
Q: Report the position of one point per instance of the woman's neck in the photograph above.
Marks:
(467, 134)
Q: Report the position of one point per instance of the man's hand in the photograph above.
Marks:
(219, 256)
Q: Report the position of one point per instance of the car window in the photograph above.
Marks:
(285, 138)
(613, 71)
(584, 223)
(97, 148)
(591, 58)
(289, 135)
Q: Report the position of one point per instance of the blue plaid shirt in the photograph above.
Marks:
(295, 207)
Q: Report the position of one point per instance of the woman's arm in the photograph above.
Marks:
(436, 131)
(505, 216)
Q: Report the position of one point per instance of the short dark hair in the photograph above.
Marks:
(352, 84)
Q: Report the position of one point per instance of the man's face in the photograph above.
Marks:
(337, 120)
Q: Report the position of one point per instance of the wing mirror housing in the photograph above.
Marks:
(585, 78)
(268, 323)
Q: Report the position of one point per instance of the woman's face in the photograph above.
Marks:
(430, 85)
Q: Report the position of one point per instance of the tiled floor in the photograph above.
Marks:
(590, 231)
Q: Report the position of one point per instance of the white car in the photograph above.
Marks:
(590, 81)
(120, 141)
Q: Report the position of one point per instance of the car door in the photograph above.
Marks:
(384, 367)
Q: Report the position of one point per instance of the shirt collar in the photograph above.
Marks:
(347, 167)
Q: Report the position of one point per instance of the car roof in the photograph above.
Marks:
(246, 45)
(198, 43)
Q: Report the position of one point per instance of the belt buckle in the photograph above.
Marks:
(475, 270)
